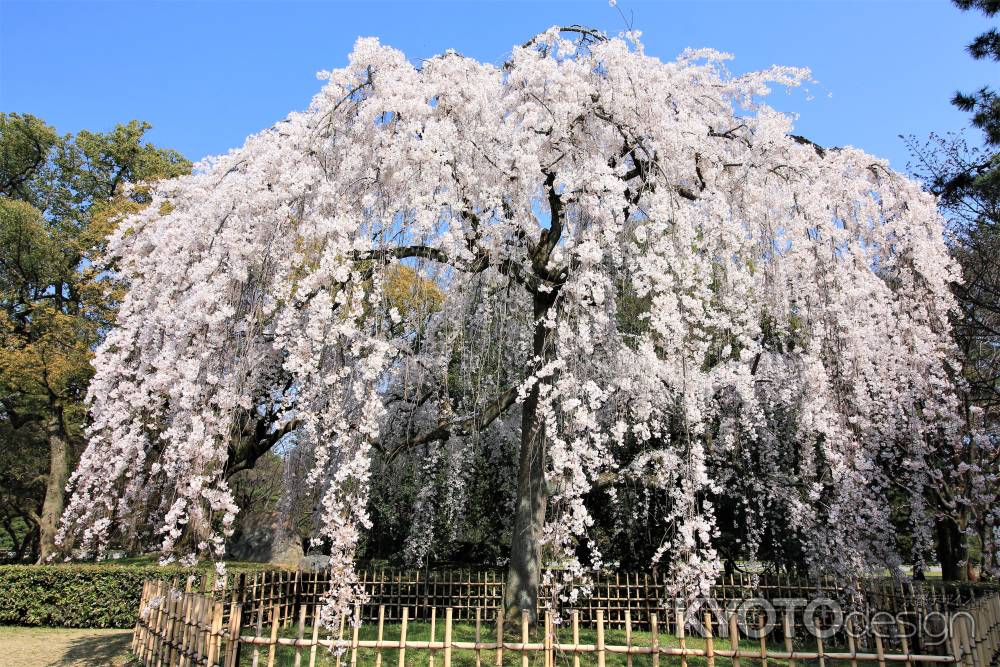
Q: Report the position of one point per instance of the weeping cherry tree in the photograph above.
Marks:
(639, 271)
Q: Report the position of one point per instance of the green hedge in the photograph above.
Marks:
(76, 596)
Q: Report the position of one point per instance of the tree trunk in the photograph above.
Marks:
(952, 550)
(55, 488)
(525, 571)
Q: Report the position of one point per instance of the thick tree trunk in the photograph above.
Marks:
(55, 488)
(952, 550)
(525, 571)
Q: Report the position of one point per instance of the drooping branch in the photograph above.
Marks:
(467, 426)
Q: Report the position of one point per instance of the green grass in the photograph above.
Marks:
(285, 655)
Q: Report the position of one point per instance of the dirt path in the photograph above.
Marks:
(45, 647)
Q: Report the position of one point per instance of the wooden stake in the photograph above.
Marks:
(355, 628)
(734, 638)
(575, 615)
(709, 645)
(402, 638)
(904, 643)
(479, 618)
(233, 645)
(300, 635)
(430, 657)
(549, 658)
(315, 634)
(500, 615)
(762, 628)
(273, 645)
(787, 628)
(600, 638)
(851, 647)
(215, 637)
(447, 637)
(819, 644)
(628, 636)
(681, 634)
(654, 632)
(256, 647)
(381, 624)
(524, 638)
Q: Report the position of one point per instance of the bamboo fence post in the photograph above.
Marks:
(314, 642)
(300, 635)
(151, 624)
(479, 652)
(709, 645)
(979, 635)
(340, 641)
(878, 649)
(141, 635)
(215, 635)
(819, 644)
(600, 638)
(430, 646)
(273, 644)
(575, 616)
(680, 622)
(137, 630)
(956, 642)
(524, 638)
(628, 635)
(256, 647)
(185, 646)
(233, 646)
(500, 615)
(381, 624)
(176, 626)
(549, 658)
(734, 639)
(167, 622)
(355, 628)
(447, 637)
(204, 627)
(789, 648)
(852, 642)
(762, 628)
(654, 639)
(904, 644)
(402, 638)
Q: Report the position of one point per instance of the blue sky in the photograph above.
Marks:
(206, 74)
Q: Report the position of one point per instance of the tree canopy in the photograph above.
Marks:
(642, 273)
(59, 198)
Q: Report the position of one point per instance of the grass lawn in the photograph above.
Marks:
(285, 655)
(42, 647)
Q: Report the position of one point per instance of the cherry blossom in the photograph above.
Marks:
(633, 255)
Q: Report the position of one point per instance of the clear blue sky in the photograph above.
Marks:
(207, 74)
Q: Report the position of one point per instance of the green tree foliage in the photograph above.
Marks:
(967, 180)
(60, 195)
(984, 104)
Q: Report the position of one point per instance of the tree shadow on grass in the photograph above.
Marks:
(98, 650)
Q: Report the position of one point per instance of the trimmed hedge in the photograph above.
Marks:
(77, 596)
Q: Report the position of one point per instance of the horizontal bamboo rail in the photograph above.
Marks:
(185, 628)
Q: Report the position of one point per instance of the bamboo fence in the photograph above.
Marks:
(188, 627)
(472, 592)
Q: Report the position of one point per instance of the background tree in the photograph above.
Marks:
(967, 181)
(59, 198)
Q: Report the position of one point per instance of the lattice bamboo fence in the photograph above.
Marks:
(192, 628)
(469, 592)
